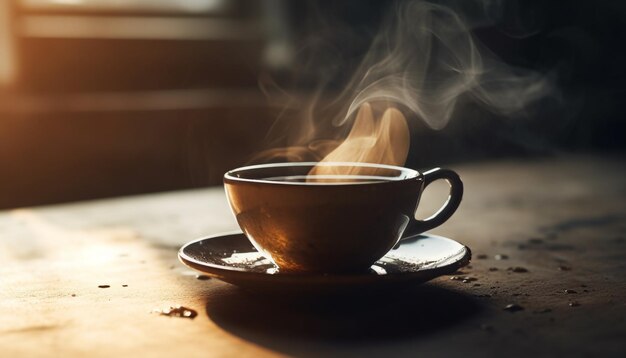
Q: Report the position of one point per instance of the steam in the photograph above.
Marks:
(428, 59)
(424, 62)
(372, 140)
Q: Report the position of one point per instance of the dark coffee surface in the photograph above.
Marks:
(338, 179)
(320, 170)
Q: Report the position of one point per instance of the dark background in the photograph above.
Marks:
(579, 45)
(88, 115)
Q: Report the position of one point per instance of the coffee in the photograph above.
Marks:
(335, 179)
(331, 222)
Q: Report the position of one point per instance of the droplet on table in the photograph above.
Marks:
(574, 304)
(124, 285)
(464, 279)
(513, 307)
(104, 286)
(501, 257)
(177, 311)
(481, 257)
(570, 291)
(202, 277)
(517, 269)
(564, 268)
(493, 269)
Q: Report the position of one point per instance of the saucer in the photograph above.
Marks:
(232, 258)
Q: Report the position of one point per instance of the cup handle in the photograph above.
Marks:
(416, 226)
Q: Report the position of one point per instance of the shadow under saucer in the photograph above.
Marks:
(289, 323)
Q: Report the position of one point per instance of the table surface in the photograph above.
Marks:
(562, 219)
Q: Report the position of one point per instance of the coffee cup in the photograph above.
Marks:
(332, 223)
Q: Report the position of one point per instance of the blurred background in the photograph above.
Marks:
(104, 98)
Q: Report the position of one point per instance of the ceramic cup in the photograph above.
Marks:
(332, 223)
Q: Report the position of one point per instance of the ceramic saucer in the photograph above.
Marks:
(233, 259)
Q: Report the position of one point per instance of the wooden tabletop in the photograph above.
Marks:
(558, 224)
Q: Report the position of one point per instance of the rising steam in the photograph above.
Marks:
(423, 61)
(383, 140)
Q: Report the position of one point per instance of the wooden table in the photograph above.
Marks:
(562, 219)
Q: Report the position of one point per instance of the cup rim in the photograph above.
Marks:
(410, 173)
